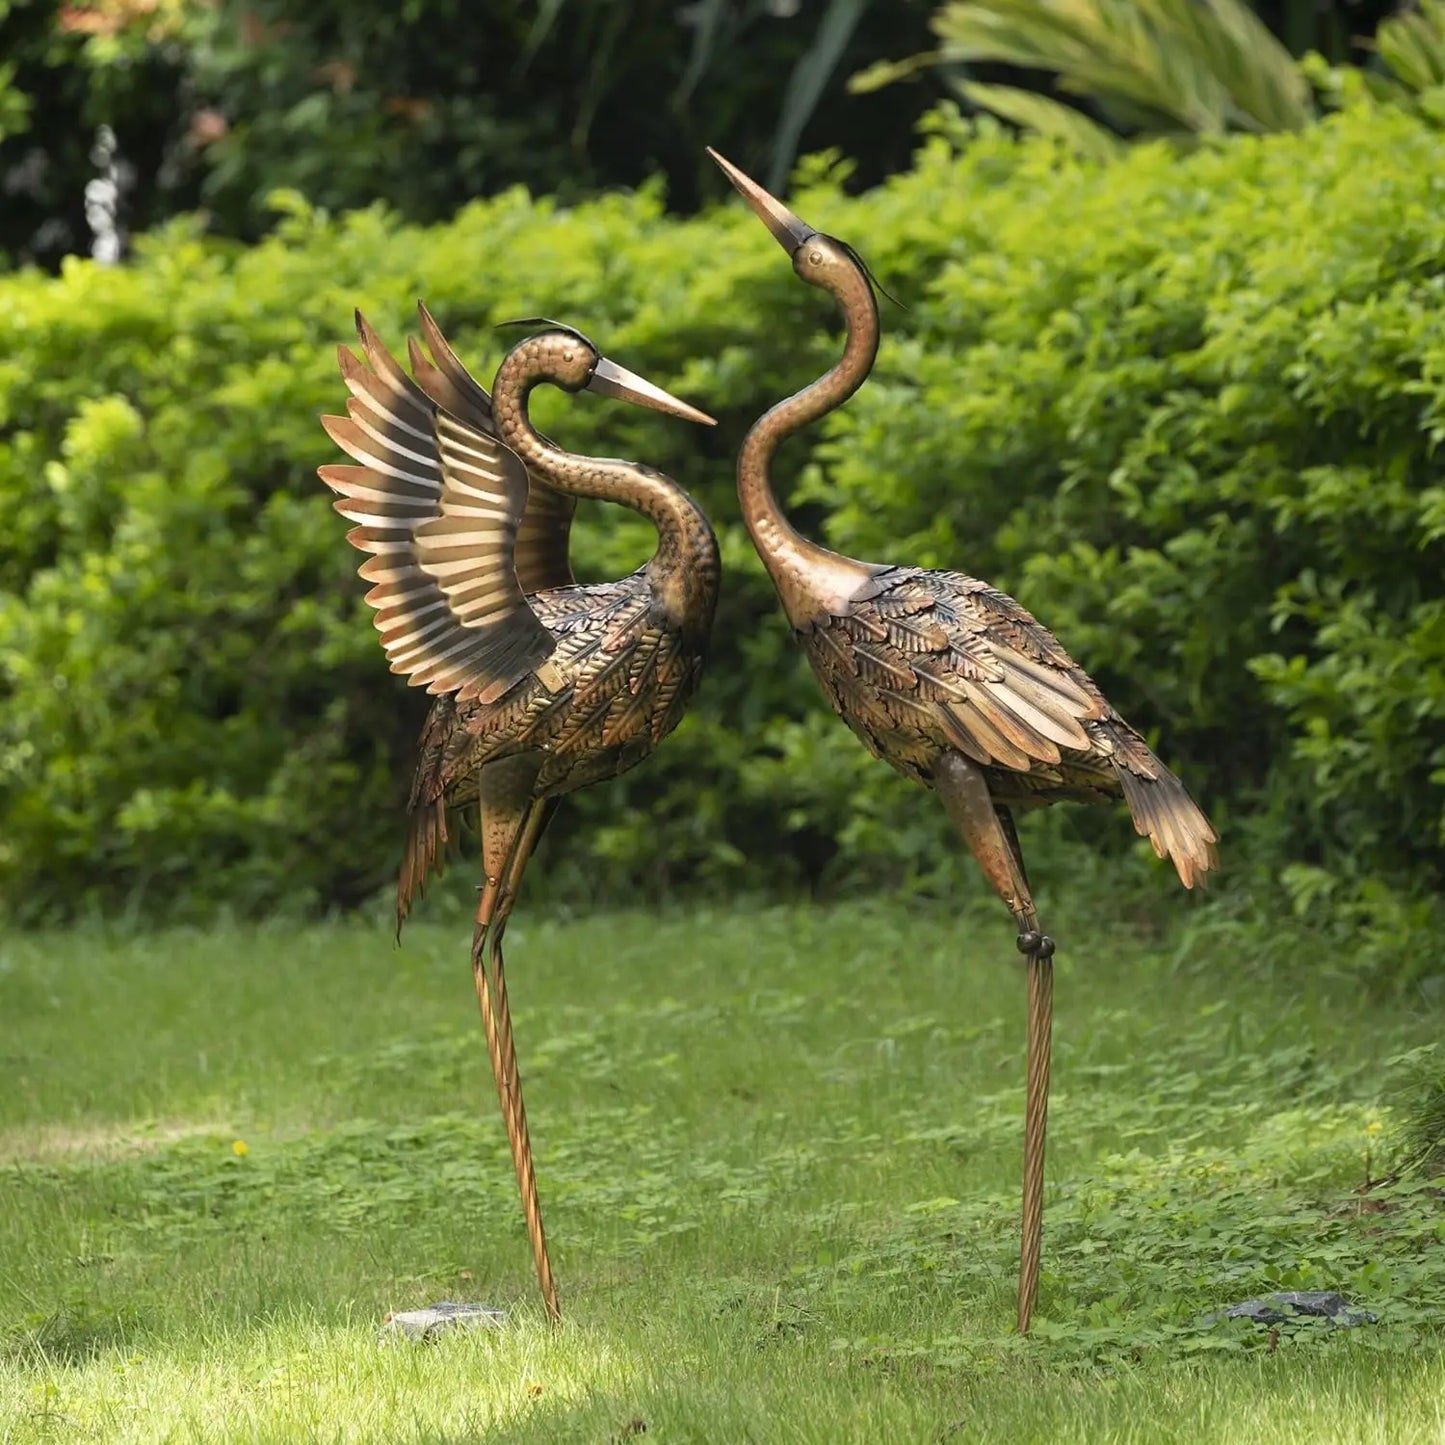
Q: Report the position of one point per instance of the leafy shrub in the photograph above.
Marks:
(1420, 1107)
(1197, 430)
(1185, 408)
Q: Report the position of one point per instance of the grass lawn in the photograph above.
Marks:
(778, 1152)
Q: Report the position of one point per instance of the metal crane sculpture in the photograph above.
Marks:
(953, 683)
(542, 686)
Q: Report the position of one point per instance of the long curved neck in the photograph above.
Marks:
(809, 578)
(684, 571)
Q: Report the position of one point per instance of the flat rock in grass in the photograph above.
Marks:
(426, 1324)
(1277, 1309)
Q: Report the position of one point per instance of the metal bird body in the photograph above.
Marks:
(543, 685)
(952, 682)
(935, 663)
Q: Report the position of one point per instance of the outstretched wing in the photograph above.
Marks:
(440, 520)
(544, 531)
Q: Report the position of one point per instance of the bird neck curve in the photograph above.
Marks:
(809, 578)
(685, 569)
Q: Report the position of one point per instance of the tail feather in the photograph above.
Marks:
(423, 853)
(1173, 822)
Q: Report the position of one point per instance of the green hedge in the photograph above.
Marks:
(1185, 408)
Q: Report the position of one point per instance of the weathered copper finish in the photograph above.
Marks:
(952, 682)
(543, 686)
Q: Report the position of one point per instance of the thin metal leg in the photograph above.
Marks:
(1040, 968)
(509, 1080)
(991, 838)
(508, 836)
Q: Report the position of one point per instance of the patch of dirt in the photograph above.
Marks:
(60, 1143)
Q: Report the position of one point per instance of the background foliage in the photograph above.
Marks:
(216, 102)
(1187, 409)
(1087, 72)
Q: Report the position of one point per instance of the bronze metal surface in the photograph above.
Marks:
(542, 686)
(952, 682)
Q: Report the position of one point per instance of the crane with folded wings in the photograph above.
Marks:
(542, 685)
(952, 682)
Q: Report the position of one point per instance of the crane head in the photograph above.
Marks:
(819, 259)
(573, 362)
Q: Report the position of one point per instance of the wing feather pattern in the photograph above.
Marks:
(943, 660)
(543, 535)
(438, 504)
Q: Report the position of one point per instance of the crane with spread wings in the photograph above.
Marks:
(542, 685)
(952, 682)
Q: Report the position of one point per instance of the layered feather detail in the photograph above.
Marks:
(544, 531)
(423, 853)
(439, 503)
(1164, 813)
(939, 661)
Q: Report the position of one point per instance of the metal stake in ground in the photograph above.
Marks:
(952, 682)
(542, 686)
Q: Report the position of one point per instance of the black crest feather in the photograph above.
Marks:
(545, 323)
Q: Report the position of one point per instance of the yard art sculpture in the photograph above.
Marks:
(953, 683)
(542, 686)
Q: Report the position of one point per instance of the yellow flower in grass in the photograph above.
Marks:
(240, 1148)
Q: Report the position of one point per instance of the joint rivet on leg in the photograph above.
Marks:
(1030, 942)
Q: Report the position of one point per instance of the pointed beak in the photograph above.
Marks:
(609, 379)
(785, 226)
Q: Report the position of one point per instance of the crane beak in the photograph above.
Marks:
(609, 379)
(789, 231)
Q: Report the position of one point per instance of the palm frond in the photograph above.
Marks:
(1039, 113)
(1201, 66)
(1412, 44)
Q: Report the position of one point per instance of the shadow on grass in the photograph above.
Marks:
(74, 1334)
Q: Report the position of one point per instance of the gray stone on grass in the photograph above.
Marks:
(1280, 1308)
(424, 1325)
